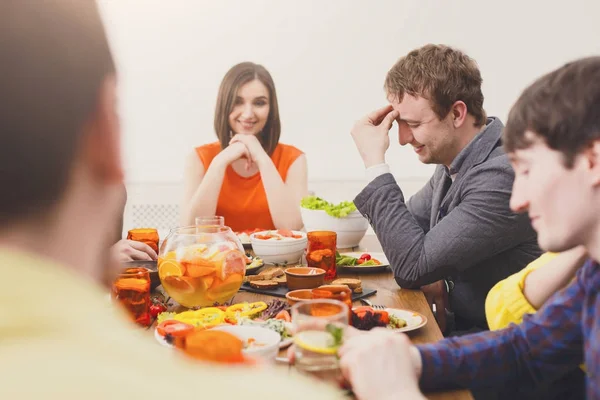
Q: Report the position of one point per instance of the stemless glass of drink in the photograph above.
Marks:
(319, 325)
(132, 290)
(145, 235)
(321, 252)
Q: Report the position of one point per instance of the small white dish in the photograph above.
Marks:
(285, 251)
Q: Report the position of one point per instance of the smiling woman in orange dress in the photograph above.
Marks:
(248, 177)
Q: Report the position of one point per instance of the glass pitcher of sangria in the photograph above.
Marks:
(201, 265)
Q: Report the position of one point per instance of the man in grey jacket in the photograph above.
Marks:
(457, 236)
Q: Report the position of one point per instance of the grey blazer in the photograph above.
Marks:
(467, 234)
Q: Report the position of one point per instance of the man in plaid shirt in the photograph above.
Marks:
(553, 138)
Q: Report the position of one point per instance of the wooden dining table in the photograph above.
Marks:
(388, 294)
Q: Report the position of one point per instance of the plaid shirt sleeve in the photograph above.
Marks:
(545, 346)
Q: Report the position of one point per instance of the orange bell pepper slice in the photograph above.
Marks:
(284, 315)
(212, 345)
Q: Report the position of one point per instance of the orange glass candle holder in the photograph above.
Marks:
(145, 235)
(132, 290)
(321, 252)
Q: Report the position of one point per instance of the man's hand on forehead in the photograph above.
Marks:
(371, 135)
(377, 117)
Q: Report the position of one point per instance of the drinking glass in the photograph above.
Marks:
(321, 252)
(145, 235)
(319, 327)
(132, 289)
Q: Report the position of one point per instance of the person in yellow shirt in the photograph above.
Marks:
(61, 179)
(524, 293)
(527, 290)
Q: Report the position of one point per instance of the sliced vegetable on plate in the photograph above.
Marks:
(284, 315)
(213, 346)
(364, 260)
(253, 263)
(366, 318)
(274, 316)
(174, 328)
(158, 306)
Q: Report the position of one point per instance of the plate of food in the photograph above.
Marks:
(273, 315)
(244, 236)
(361, 262)
(253, 264)
(398, 320)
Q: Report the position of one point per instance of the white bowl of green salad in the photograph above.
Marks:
(342, 218)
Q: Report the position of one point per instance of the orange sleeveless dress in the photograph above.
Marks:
(243, 201)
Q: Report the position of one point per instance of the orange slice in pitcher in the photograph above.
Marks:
(170, 268)
(207, 281)
(224, 288)
(200, 267)
(181, 284)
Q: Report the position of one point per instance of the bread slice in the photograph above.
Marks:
(254, 278)
(350, 282)
(281, 280)
(358, 290)
(334, 288)
(269, 284)
(271, 273)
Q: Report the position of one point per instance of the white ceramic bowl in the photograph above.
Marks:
(287, 251)
(350, 230)
(267, 337)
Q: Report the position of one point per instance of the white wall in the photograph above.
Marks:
(328, 60)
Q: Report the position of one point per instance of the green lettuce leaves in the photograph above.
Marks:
(340, 210)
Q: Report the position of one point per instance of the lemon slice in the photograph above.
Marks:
(321, 342)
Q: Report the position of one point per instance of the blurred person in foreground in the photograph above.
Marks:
(62, 174)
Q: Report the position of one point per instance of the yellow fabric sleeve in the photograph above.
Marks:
(506, 303)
